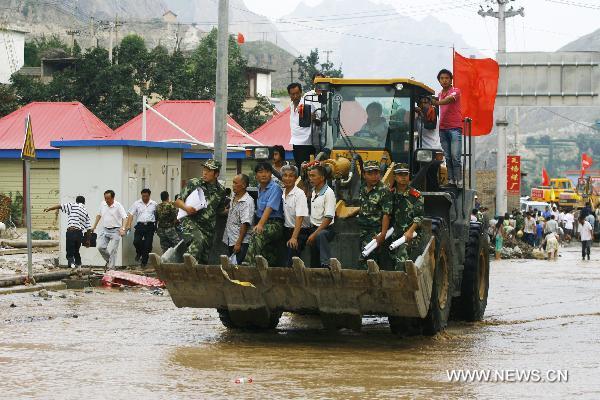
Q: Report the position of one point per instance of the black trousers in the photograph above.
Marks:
(73, 244)
(302, 152)
(142, 241)
(302, 237)
(241, 254)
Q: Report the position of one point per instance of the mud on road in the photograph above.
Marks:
(134, 344)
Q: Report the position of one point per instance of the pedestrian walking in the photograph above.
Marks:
(78, 221)
(144, 212)
(529, 230)
(296, 214)
(551, 240)
(450, 125)
(499, 233)
(568, 221)
(199, 225)
(114, 220)
(240, 217)
(586, 235)
(166, 222)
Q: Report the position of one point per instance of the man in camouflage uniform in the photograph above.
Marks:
(376, 207)
(408, 215)
(199, 225)
(166, 219)
(267, 234)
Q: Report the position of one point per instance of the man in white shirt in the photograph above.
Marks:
(144, 210)
(321, 218)
(295, 211)
(568, 221)
(586, 233)
(529, 229)
(300, 139)
(114, 219)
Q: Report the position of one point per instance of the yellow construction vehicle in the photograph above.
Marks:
(561, 191)
(352, 121)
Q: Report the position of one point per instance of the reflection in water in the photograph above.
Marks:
(112, 344)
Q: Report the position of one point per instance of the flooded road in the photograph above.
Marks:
(135, 345)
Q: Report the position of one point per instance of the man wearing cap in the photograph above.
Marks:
(408, 214)
(376, 206)
(199, 225)
(267, 235)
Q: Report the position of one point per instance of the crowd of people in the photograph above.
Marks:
(548, 230)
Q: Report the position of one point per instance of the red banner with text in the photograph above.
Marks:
(513, 174)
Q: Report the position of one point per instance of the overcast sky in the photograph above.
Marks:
(547, 25)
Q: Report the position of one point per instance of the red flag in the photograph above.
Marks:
(545, 178)
(240, 38)
(586, 162)
(477, 80)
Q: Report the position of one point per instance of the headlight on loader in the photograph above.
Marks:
(261, 153)
(424, 156)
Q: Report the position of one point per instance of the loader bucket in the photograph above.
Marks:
(262, 289)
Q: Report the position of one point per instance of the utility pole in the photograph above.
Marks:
(72, 33)
(327, 52)
(117, 25)
(291, 74)
(93, 32)
(501, 124)
(111, 27)
(220, 133)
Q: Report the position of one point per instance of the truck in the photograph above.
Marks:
(447, 277)
(561, 191)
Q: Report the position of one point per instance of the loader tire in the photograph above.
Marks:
(471, 304)
(436, 319)
(247, 320)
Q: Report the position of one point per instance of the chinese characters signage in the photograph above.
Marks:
(513, 174)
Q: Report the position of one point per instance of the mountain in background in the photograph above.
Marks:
(373, 40)
(589, 42)
(204, 14)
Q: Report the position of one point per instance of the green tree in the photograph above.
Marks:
(35, 49)
(8, 100)
(309, 65)
(257, 115)
(132, 52)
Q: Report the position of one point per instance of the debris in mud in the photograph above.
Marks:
(513, 249)
(12, 305)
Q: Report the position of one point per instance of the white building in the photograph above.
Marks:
(12, 52)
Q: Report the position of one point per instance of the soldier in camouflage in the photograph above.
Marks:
(166, 219)
(376, 207)
(199, 225)
(408, 215)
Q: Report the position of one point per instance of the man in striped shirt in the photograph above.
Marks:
(78, 221)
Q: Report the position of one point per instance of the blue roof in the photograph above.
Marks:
(120, 143)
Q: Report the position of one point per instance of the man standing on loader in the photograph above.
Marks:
(376, 207)
(408, 214)
(199, 225)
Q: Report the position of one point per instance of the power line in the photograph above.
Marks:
(575, 4)
(569, 119)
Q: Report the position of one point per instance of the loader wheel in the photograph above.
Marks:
(476, 278)
(439, 308)
(252, 320)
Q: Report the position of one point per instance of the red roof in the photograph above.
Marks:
(275, 131)
(51, 121)
(196, 117)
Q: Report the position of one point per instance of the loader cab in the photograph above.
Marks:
(374, 118)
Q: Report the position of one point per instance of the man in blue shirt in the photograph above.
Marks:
(268, 231)
(547, 213)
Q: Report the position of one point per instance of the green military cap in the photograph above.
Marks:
(401, 168)
(212, 164)
(371, 165)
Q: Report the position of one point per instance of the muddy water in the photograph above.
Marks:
(130, 345)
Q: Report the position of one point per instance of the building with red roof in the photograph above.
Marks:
(196, 117)
(49, 121)
(275, 131)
